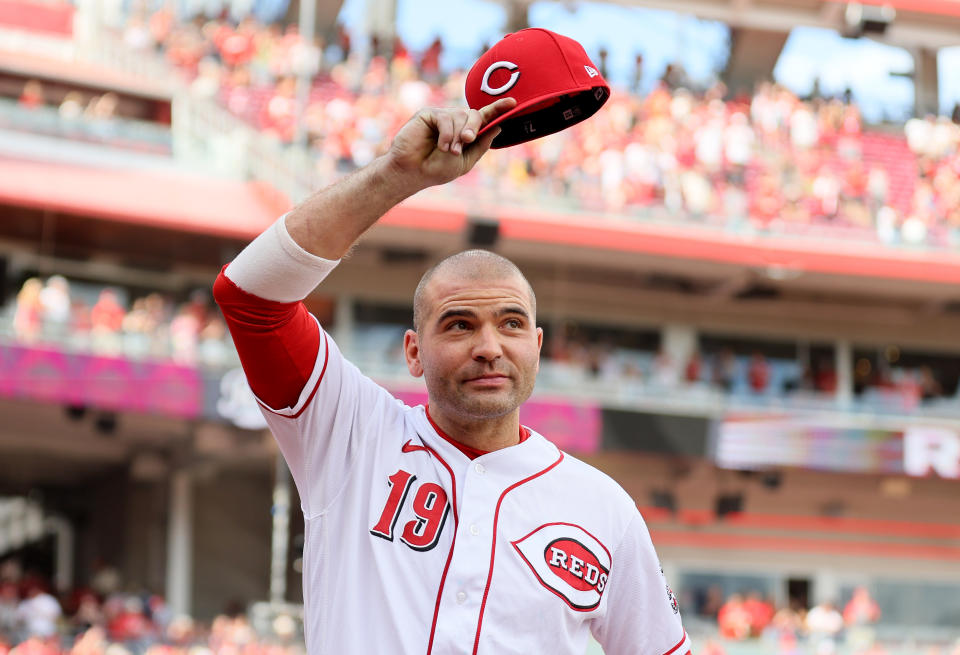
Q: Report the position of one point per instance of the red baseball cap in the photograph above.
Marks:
(549, 75)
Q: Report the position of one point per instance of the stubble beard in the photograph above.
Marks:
(481, 405)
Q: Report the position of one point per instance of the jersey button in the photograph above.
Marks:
(480, 468)
(474, 530)
(461, 598)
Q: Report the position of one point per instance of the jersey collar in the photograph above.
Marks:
(469, 451)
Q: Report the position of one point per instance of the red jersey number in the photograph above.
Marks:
(430, 507)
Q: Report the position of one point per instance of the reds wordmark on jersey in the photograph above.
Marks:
(413, 547)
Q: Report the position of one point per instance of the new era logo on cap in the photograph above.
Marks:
(549, 75)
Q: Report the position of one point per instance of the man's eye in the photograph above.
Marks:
(459, 325)
(514, 323)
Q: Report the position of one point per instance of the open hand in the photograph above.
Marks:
(440, 145)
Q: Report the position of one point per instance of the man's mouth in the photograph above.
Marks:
(488, 379)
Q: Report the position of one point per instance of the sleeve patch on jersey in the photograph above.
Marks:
(670, 595)
(569, 562)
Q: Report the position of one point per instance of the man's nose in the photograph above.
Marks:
(487, 346)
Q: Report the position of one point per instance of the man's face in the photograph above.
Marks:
(477, 348)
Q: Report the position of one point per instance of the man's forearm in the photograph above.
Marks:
(331, 220)
(434, 147)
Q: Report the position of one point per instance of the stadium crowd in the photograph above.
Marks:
(96, 319)
(101, 320)
(824, 628)
(102, 619)
(770, 162)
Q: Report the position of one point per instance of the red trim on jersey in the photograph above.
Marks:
(679, 644)
(278, 342)
(469, 451)
(493, 545)
(410, 447)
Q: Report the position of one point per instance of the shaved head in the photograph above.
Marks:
(478, 266)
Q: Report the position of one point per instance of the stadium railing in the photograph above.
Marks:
(120, 132)
(376, 351)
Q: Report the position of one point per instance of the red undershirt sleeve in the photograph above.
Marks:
(278, 342)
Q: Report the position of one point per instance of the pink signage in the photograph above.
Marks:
(102, 382)
(576, 428)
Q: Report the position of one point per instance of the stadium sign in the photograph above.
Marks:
(821, 443)
(931, 450)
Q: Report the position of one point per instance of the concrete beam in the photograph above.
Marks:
(903, 32)
(517, 15)
(753, 55)
(325, 17)
(180, 543)
(926, 83)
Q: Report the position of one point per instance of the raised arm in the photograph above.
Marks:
(434, 147)
(259, 292)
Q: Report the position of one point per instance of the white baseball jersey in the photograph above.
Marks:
(414, 547)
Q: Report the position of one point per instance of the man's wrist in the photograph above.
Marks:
(399, 182)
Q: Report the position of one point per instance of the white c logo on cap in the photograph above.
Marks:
(510, 66)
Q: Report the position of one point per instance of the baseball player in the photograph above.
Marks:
(449, 528)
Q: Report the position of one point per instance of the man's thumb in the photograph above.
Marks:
(478, 148)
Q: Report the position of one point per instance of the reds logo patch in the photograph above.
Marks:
(506, 86)
(569, 561)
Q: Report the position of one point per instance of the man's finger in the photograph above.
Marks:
(472, 126)
(494, 109)
(444, 122)
(459, 122)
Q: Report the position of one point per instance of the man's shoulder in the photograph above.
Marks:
(594, 482)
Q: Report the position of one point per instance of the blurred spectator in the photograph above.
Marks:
(213, 349)
(184, 332)
(666, 373)
(71, 107)
(694, 368)
(106, 320)
(9, 618)
(824, 623)
(29, 311)
(55, 303)
(861, 609)
(825, 378)
(859, 615)
(38, 613)
(724, 370)
(88, 612)
(712, 647)
(430, 62)
(758, 373)
(734, 619)
(102, 108)
(106, 579)
(787, 622)
(637, 84)
(930, 387)
(760, 611)
(128, 623)
(32, 95)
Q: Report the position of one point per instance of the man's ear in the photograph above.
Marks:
(411, 351)
(539, 339)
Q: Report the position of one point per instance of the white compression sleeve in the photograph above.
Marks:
(274, 266)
